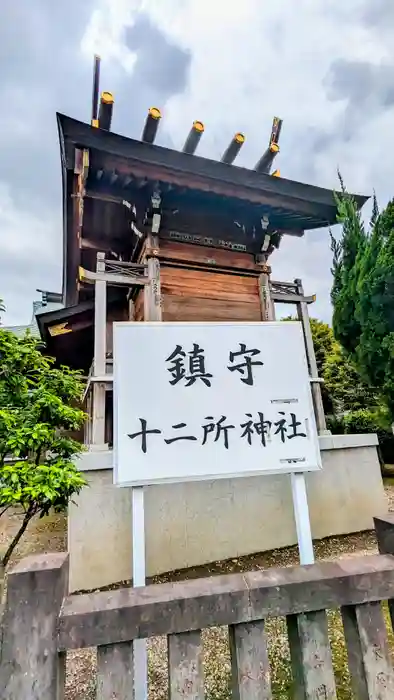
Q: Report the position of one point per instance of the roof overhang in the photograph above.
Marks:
(199, 195)
(142, 161)
(68, 334)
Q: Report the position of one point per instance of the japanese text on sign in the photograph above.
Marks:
(285, 427)
(190, 366)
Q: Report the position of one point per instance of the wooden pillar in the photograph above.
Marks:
(115, 671)
(384, 529)
(131, 310)
(152, 290)
(88, 424)
(185, 666)
(368, 651)
(310, 653)
(266, 301)
(303, 316)
(30, 665)
(99, 361)
(251, 675)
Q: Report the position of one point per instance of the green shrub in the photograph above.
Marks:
(354, 422)
(366, 421)
(39, 407)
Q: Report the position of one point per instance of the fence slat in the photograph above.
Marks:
(251, 676)
(30, 666)
(368, 652)
(313, 674)
(384, 528)
(115, 673)
(186, 677)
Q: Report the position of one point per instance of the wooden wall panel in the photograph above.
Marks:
(114, 315)
(205, 295)
(204, 254)
(183, 308)
(211, 285)
(139, 306)
(196, 295)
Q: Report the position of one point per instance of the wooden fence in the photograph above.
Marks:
(41, 623)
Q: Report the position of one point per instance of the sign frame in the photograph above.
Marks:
(289, 468)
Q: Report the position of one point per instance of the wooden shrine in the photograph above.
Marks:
(156, 234)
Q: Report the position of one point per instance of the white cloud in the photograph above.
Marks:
(252, 60)
(30, 257)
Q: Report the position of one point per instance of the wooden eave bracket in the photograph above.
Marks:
(151, 247)
(127, 280)
(284, 298)
(59, 329)
(151, 252)
(81, 163)
(264, 268)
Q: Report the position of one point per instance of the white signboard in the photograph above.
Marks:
(199, 401)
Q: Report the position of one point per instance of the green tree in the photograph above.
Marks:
(363, 294)
(347, 256)
(39, 407)
(323, 342)
(344, 385)
(342, 389)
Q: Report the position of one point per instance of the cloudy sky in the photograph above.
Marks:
(325, 68)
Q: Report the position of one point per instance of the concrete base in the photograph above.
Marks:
(196, 523)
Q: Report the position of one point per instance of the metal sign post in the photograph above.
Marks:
(298, 484)
(138, 569)
(302, 520)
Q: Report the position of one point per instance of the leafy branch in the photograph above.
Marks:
(39, 407)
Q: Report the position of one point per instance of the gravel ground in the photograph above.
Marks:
(46, 535)
(50, 534)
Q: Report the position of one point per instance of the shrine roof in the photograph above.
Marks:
(198, 195)
(136, 163)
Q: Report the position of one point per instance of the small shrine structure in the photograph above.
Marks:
(155, 234)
